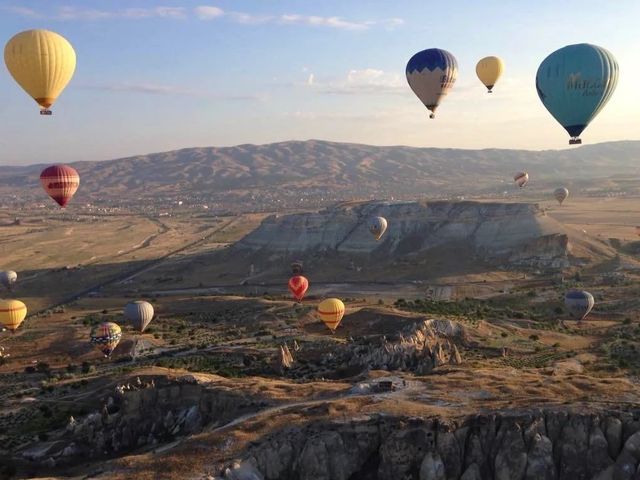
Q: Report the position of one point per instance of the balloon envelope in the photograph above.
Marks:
(296, 268)
(298, 286)
(377, 226)
(8, 278)
(61, 182)
(42, 63)
(139, 313)
(561, 194)
(579, 303)
(489, 70)
(331, 312)
(575, 83)
(431, 74)
(12, 313)
(106, 337)
(521, 179)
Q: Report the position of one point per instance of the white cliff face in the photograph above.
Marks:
(513, 230)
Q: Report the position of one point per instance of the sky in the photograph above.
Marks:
(154, 76)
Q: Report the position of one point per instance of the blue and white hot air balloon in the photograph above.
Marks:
(431, 73)
(575, 83)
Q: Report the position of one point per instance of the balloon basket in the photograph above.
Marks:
(46, 112)
(575, 141)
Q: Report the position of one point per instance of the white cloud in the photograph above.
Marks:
(368, 80)
(22, 11)
(313, 20)
(204, 12)
(67, 13)
(211, 12)
(168, 90)
(248, 19)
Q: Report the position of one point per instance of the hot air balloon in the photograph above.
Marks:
(579, 303)
(489, 70)
(561, 194)
(575, 83)
(12, 313)
(61, 182)
(42, 63)
(8, 278)
(298, 286)
(377, 226)
(296, 267)
(139, 313)
(106, 337)
(521, 179)
(331, 312)
(431, 73)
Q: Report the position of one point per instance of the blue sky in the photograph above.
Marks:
(155, 76)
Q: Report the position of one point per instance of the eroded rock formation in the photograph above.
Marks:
(142, 413)
(539, 445)
(514, 233)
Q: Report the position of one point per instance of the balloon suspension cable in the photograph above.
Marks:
(45, 111)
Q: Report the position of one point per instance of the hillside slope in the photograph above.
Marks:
(327, 171)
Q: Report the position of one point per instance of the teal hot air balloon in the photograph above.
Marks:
(575, 83)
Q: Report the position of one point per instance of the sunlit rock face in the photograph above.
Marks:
(514, 233)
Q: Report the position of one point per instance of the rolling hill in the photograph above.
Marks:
(322, 172)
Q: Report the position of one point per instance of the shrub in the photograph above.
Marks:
(86, 367)
(43, 367)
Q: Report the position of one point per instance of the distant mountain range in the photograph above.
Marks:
(329, 171)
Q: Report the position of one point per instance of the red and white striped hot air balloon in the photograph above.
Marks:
(61, 182)
(298, 286)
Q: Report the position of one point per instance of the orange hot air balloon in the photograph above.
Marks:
(331, 312)
(61, 182)
(298, 286)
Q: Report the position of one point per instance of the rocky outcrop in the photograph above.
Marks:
(541, 445)
(419, 349)
(286, 359)
(515, 233)
(143, 413)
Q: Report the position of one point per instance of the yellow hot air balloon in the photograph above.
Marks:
(489, 70)
(42, 62)
(12, 313)
(331, 312)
